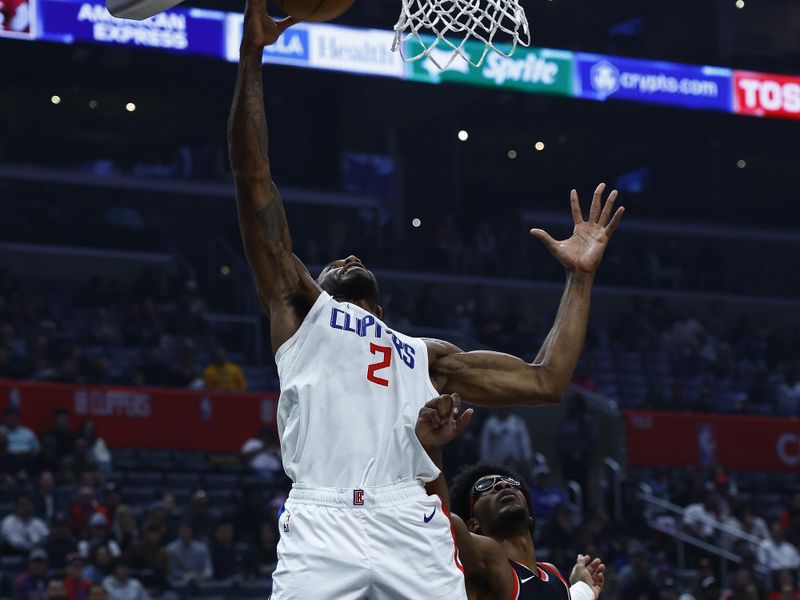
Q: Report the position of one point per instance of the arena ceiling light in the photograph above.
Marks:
(463, 135)
(539, 146)
(55, 99)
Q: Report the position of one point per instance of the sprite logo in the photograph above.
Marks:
(528, 69)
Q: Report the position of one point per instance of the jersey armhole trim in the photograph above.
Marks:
(316, 308)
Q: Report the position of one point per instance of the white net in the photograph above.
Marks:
(440, 30)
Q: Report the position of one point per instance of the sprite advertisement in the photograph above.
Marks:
(533, 70)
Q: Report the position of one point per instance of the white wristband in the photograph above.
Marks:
(581, 591)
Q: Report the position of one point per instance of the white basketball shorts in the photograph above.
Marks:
(389, 543)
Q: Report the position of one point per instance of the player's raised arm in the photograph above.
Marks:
(494, 378)
(285, 288)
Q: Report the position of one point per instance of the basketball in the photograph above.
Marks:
(314, 10)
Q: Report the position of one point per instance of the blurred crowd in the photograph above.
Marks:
(72, 532)
(152, 334)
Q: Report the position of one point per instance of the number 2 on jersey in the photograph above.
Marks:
(385, 362)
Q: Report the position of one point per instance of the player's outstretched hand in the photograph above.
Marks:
(583, 251)
(591, 572)
(259, 28)
(439, 421)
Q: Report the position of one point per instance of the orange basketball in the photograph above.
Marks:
(314, 10)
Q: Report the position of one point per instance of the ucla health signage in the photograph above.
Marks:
(182, 30)
(530, 70)
(602, 77)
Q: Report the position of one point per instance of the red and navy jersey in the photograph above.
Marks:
(545, 584)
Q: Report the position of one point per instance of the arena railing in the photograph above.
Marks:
(656, 508)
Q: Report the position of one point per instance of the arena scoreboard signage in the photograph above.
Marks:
(763, 95)
(182, 30)
(528, 70)
(597, 77)
(602, 77)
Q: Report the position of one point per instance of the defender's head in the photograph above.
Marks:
(348, 280)
(492, 500)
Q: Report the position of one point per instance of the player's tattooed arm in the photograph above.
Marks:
(284, 285)
(494, 378)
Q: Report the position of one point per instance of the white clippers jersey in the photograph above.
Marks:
(351, 390)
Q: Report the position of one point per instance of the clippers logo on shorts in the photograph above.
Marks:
(358, 497)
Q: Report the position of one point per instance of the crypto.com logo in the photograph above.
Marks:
(605, 78)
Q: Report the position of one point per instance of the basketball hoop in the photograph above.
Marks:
(430, 23)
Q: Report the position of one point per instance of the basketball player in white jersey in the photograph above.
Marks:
(358, 523)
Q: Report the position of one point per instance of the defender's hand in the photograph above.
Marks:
(584, 250)
(259, 28)
(438, 422)
(591, 572)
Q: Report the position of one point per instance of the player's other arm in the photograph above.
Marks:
(494, 378)
(285, 288)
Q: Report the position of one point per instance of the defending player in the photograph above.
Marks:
(358, 521)
(495, 544)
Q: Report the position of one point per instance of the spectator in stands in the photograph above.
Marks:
(266, 552)
(576, 439)
(200, 517)
(78, 462)
(97, 592)
(186, 374)
(124, 528)
(60, 543)
(790, 520)
(21, 440)
(85, 506)
(98, 373)
(701, 518)
(263, 454)
(745, 522)
(112, 499)
(99, 535)
(224, 375)
(21, 531)
(636, 580)
(100, 564)
(546, 497)
(189, 559)
(558, 534)
(775, 553)
(788, 392)
(96, 446)
(505, 440)
(121, 586)
(149, 554)
(65, 438)
(56, 590)
(786, 586)
(227, 560)
(48, 459)
(32, 584)
(250, 515)
(76, 584)
(46, 500)
(154, 371)
(12, 466)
